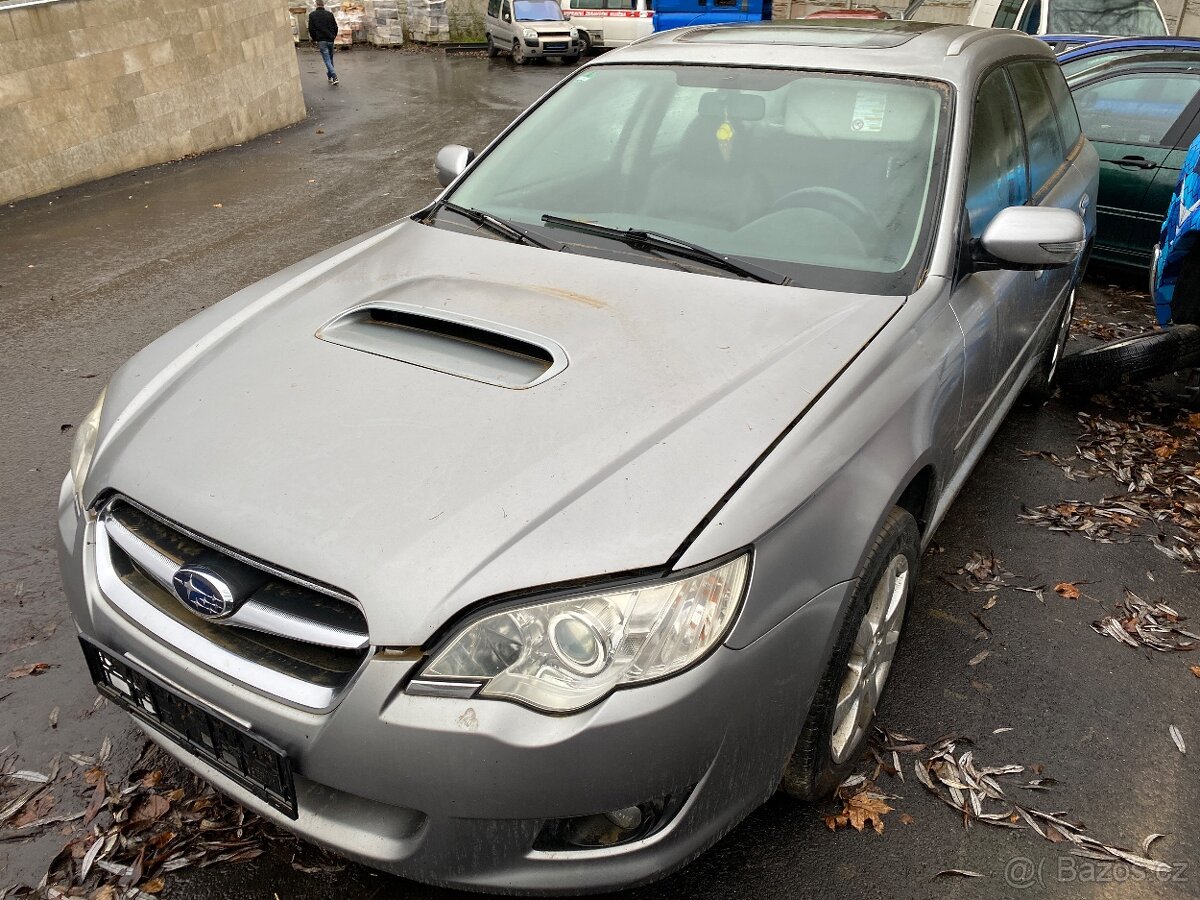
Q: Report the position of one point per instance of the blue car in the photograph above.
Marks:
(1175, 271)
(1078, 53)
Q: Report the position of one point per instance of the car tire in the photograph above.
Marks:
(586, 39)
(839, 719)
(518, 53)
(1185, 302)
(1132, 359)
(1043, 381)
(492, 52)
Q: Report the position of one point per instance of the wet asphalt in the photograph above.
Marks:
(92, 274)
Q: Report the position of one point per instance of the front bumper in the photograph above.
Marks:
(552, 48)
(454, 792)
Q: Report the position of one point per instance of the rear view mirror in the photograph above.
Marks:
(1033, 237)
(450, 162)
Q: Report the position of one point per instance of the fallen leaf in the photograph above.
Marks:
(906, 819)
(962, 873)
(218, 206)
(320, 131)
(1000, 730)
(54, 717)
(991, 601)
(31, 669)
(151, 809)
(979, 657)
(1177, 737)
(859, 809)
(1150, 839)
(1195, 670)
(1067, 589)
(153, 886)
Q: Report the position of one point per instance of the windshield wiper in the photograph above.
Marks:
(502, 227)
(656, 240)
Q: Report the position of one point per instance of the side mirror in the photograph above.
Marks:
(450, 162)
(1032, 237)
(507, 17)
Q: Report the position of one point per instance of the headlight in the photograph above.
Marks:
(574, 34)
(563, 655)
(85, 444)
(530, 34)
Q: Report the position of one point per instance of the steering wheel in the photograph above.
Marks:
(836, 203)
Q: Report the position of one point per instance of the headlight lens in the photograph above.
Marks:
(563, 655)
(530, 34)
(85, 444)
(574, 33)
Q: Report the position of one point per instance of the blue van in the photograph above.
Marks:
(670, 14)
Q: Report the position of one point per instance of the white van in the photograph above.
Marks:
(610, 23)
(1118, 18)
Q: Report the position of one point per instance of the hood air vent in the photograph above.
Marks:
(447, 342)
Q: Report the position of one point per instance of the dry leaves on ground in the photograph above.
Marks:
(1153, 453)
(130, 834)
(1142, 624)
(976, 794)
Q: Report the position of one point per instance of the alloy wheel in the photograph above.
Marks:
(870, 659)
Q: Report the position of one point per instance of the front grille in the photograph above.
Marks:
(287, 636)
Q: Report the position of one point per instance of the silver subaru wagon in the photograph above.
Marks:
(530, 542)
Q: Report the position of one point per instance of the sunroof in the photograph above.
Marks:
(868, 34)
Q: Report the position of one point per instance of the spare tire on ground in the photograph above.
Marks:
(1131, 359)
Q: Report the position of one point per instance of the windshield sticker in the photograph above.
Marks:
(869, 108)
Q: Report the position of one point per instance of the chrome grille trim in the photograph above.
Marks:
(262, 678)
(253, 614)
(312, 585)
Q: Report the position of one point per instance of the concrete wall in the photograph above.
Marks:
(90, 88)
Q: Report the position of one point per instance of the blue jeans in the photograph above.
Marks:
(326, 48)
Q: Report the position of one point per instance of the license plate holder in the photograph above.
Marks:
(254, 763)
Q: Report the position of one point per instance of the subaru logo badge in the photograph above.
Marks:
(204, 593)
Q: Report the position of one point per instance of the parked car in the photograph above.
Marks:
(1071, 17)
(610, 23)
(670, 14)
(1175, 272)
(530, 542)
(530, 29)
(1141, 113)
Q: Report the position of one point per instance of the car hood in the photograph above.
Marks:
(422, 492)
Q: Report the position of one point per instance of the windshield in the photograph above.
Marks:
(1117, 17)
(537, 11)
(829, 179)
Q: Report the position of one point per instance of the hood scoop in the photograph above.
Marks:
(448, 342)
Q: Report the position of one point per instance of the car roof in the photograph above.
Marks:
(953, 53)
(1130, 43)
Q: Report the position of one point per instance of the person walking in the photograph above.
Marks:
(323, 28)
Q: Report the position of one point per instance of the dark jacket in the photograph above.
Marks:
(322, 26)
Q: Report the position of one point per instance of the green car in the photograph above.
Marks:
(1141, 111)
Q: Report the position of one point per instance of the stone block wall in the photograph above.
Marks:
(91, 88)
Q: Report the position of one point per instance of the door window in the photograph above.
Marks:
(1138, 108)
(1006, 15)
(494, 8)
(1042, 136)
(997, 175)
(1031, 17)
(1064, 105)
